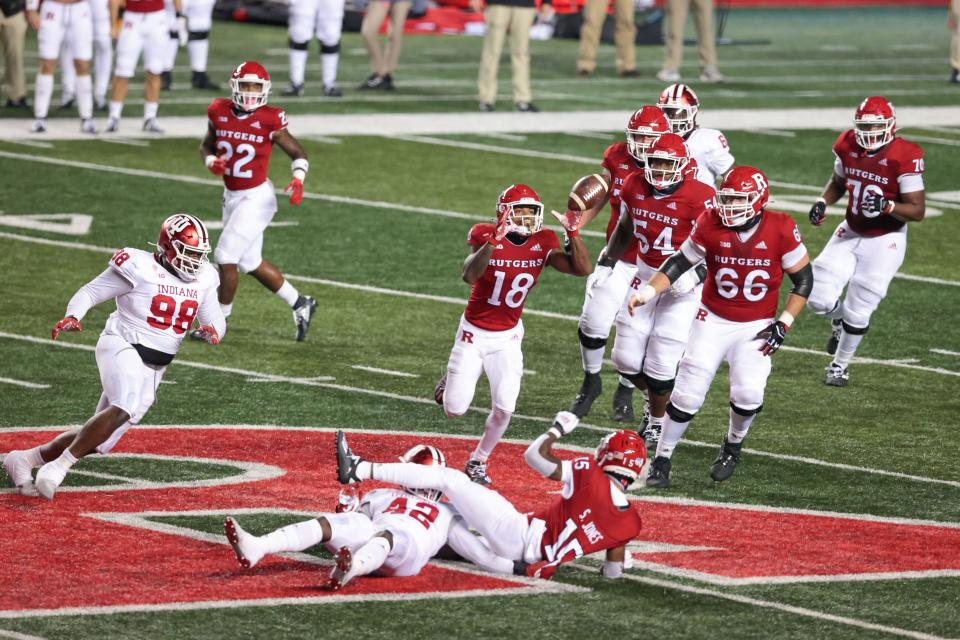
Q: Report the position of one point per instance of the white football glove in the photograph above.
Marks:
(685, 283)
(564, 423)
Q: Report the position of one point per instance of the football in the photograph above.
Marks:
(587, 192)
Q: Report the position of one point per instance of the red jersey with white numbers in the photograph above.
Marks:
(881, 172)
(744, 276)
(497, 297)
(143, 6)
(584, 519)
(662, 222)
(619, 164)
(245, 141)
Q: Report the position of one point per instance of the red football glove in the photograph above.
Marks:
(543, 569)
(67, 324)
(570, 221)
(216, 165)
(208, 334)
(295, 189)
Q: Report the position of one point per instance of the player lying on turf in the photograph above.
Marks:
(591, 513)
(506, 259)
(158, 297)
(388, 531)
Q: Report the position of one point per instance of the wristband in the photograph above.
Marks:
(647, 290)
(822, 200)
(555, 432)
(573, 233)
(209, 160)
(300, 166)
(786, 318)
(889, 207)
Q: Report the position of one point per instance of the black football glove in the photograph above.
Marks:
(773, 337)
(818, 212)
(876, 204)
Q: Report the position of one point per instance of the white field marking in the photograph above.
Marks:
(29, 143)
(312, 379)
(940, 281)
(129, 142)
(946, 352)
(951, 142)
(949, 196)
(952, 130)
(378, 204)
(218, 224)
(512, 137)
(529, 372)
(250, 472)
(102, 476)
(168, 382)
(24, 383)
(478, 146)
(322, 139)
(15, 635)
(596, 135)
(394, 124)
(769, 604)
(663, 547)
(386, 372)
(71, 224)
(777, 132)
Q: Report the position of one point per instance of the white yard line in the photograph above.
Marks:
(934, 140)
(777, 132)
(24, 383)
(129, 142)
(29, 143)
(946, 352)
(15, 635)
(386, 372)
(770, 604)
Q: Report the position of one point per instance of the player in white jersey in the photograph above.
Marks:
(708, 147)
(389, 531)
(199, 15)
(58, 22)
(177, 36)
(323, 19)
(158, 295)
(102, 60)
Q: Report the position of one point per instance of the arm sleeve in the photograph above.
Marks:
(838, 167)
(475, 549)
(211, 313)
(802, 281)
(536, 461)
(106, 286)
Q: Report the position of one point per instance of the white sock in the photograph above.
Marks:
(369, 557)
(226, 309)
(103, 63)
(150, 110)
(34, 457)
(293, 537)
(328, 62)
(66, 459)
(68, 75)
(847, 347)
(288, 293)
(670, 436)
(173, 46)
(43, 91)
(198, 54)
(298, 63)
(116, 108)
(657, 422)
(739, 425)
(493, 430)
(592, 359)
(84, 86)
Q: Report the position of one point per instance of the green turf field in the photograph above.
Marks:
(379, 242)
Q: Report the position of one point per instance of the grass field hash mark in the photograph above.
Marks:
(24, 383)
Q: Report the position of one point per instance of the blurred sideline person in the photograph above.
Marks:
(13, 31)
(383, 64)
(102, 60)
(953, 24)
(501, 16)
(675, 20)
(594, 14)
(323, 19)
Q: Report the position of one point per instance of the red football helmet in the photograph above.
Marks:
(742, 196)
(526, 222)
(622, 453)
(428, 456)
(646, 125)
(680, 104)
(665, 161)
(184, 244)
(874, 123)
(248, 73)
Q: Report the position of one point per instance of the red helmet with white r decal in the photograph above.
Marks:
(250, 85)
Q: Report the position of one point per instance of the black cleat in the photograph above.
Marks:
(388, 83)
(439, 390)
(836, 375)
(477, 472)
(200, 80)
(623, 404)
(293, 90)
(726, 462)
(302, 313)
(375, 81)
(525, 107)
(836, 327)
(590, 390)
(347, 461)
(332, 92)
(487, 107)
(659, 473)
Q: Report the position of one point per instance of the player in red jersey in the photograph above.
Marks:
(241, 133)
(591, 513)
(883, 174)
(607, 287)
(504, 264)
(747, 249)
(659, 208)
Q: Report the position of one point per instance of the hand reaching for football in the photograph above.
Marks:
(570, 221)
(67, 324)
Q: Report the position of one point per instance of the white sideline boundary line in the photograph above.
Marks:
(24, 383)
(386, 372)
(15, 635)
(770, 604)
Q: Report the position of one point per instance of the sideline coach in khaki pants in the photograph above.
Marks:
(501, 16)
(624, 36)
(13, 30)
(675, 19)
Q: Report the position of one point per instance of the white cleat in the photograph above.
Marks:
(243, 544)
(628, 562)
(49, 478)
(341, 573)
(20, 471)
(668, 75)
(39, 126)
(87, 126)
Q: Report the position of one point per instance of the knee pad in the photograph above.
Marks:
(299, 46)
(591, 343)
(855, 331)
(746, 413)
(659, 387)
(198, 35)
(329, 48)
(636, 379)
(174, 35)
(677, 415)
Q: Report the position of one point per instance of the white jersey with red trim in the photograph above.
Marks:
(426, 522)
(710, 149)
